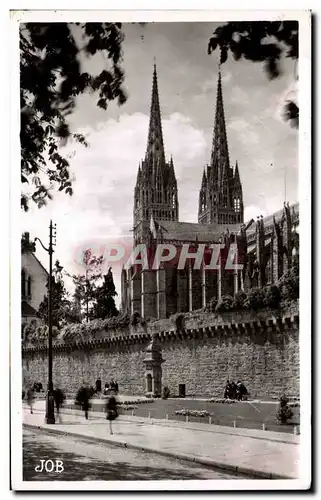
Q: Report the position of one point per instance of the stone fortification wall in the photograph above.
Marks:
(201, 350)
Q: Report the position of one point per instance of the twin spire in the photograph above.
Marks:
(155, 145)
(219, 144)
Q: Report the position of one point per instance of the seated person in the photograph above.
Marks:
(241, 391)
(227, 391)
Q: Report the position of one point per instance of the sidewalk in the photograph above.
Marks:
(263, 454)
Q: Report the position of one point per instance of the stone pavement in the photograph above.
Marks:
(260, 454)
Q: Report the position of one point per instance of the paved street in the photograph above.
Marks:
(265, 454)
(102, 462)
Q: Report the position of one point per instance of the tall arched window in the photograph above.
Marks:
(29, 286)
(23, 283)
(268, 271)
(237, 204)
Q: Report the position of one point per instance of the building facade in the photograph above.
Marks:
(266, 246)
(34, 278)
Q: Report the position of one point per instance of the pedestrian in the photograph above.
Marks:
(116, 387)
(111, 410)
(233, 390)
(83, 398)
(227, 391)
(30, 398)
(98, 386)
(59, 398)
(241, 391)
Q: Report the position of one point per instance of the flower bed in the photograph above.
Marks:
(136, 402)
(129, 407)
(222, 400)
(295, 404)
(193, 413)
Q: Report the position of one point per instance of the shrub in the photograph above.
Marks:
(290, 285)
(135, 319)
(254, 299)
(178, 320)
(239, 300)
(272, 296)
(211, 305)
(284, 412)
(225, 304)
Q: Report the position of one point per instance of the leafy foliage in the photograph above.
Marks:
(105, 303)
(290, 284)
(272, 296)
(51, 78)
(38, 334)
(239, 300)
(136, 319)
(254, 299)
(211, 305)
(225, 304)
(27, 246)
(260, 41)
(86, 284)
(178, 320)
(60, 301)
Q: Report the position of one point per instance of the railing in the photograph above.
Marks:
(266, 424)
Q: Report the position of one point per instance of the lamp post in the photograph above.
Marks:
(50, 410)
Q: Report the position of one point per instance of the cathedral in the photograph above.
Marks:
(268, 245)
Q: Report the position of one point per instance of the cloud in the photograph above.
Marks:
(245, 132)
(101, 208)
(253, 211)
(239, 96)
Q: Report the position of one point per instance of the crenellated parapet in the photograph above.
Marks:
(195, 326)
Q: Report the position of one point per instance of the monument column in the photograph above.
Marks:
(219, 278)
(190, 287)
(153, 369)
(161, 292)
(236, 281)
(203, 285)
(135, 291)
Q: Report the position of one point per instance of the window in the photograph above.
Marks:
(237, 205)
(268, 271)
(29, 286)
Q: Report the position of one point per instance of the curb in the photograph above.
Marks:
(246, 471)
(167, 423)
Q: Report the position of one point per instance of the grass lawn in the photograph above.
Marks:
(248, 415)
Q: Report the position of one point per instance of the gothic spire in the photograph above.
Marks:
(204, 179)
(219, 155)
(155, 146)
(237, 180)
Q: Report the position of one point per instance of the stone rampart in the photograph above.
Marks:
(201, 350)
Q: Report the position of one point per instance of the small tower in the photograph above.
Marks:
(153, 368)
(156, 186)
(237, 195)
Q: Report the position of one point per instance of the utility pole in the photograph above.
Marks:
(50, 408)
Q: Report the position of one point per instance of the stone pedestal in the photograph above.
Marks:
(153, 369)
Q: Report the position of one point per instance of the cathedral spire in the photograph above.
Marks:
(155, 146)
(204, 179)
(237, 174)
(219, 154)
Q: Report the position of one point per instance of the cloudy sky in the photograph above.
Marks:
(266, 148)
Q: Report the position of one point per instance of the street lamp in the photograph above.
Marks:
(50, 409)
